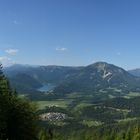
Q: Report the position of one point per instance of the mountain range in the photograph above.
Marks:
(135, 72)
(86, 79)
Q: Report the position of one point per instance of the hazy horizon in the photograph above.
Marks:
(38, 65)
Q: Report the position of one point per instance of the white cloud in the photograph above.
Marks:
(6, 61)
(61, 49)
(12, 51)
(4, 58)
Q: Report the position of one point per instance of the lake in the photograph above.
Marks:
(46, 87)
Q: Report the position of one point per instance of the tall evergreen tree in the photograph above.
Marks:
(18, 120)
(4, 83)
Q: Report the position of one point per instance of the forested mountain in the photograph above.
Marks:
(135, 72)
(23, 82)
(50, 73)
(98, 76)
(94, 77)
(38, 75)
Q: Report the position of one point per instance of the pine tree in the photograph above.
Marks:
(4, 83)
(129, 134)
(18, 120)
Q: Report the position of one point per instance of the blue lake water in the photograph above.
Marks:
(46, 88)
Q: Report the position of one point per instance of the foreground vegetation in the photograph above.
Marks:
(128, 131)
(18, 118)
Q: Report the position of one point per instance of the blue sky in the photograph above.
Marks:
(70, 32)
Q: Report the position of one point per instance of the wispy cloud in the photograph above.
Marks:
(61, 49)
(12, 51)
(6, 61)
(4, 58)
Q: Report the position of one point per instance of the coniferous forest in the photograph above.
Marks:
(18, 119)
